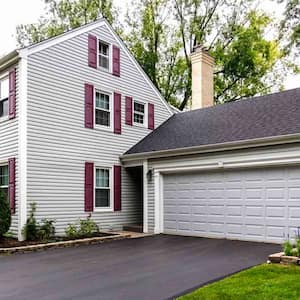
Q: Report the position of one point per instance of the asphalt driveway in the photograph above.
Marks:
(157, 267)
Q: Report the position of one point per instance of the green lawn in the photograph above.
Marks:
(264, 282)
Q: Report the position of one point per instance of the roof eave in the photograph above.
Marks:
(252, 143)
(8, 60)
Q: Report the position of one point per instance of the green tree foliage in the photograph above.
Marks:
(233, 32)
(63, 15)
(5, 217)
(162, 33)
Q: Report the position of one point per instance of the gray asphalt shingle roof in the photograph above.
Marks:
(259, 117)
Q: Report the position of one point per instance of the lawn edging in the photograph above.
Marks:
(284, 259)
(65, 244)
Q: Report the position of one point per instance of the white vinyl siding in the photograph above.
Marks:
(59, 144)
(9, 143)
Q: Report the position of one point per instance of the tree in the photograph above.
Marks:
(5, 217)
(233, 31)
(64, 15)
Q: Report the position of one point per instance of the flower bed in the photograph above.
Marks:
(9, 245)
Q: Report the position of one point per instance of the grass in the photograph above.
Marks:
(264, 282)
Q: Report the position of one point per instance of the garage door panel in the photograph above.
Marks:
(250, 204)
(254, 210)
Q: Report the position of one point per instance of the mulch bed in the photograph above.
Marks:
(8, 242)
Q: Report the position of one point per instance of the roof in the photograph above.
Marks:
(254, 118)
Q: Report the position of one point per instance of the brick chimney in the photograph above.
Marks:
(202, 78)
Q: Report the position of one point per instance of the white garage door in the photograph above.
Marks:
(252, 204)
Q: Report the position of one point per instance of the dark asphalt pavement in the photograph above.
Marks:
(156, 267)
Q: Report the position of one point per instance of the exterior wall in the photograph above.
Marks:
(9, 146)
(288, 154)
(59, 144)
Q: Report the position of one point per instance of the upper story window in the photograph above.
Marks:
(103, 109)
(103, 188)
(103, 55)
(4, 92)
(4, 178)
(139, 113)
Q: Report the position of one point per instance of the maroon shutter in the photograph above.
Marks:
(128, 105)
(116, 61)
(117, 113)
(89, 187)
(92, 48)
(89, 106)
(151, 116)
(12, 184)
(12, 94)
(117, 188)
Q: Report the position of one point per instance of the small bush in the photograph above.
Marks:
(83, 228)
(287, 248)
(5, 217)
(30, 230)
(46, 230)
(298, 246)
(34, 231)
(71, 231)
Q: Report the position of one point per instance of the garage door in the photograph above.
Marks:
(252, 204)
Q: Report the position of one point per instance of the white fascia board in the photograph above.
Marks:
(261, 142)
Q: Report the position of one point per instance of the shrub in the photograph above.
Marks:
(287, 248)
(46, 230)
(31, 228)
(71, 231)
(5, 217)
(298, 246)
(34, 231)
(83, 228)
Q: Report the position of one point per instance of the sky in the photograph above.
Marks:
(28, 11)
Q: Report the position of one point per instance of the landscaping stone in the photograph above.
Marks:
(275, 258)
(289, 259)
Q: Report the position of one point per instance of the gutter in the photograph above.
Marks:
(260, 142)
(8, 60)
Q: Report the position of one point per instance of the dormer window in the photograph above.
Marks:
(4, 92)
(103, 55)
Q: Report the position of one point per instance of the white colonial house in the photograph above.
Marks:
(84, 132)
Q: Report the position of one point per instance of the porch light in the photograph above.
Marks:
(149, 175)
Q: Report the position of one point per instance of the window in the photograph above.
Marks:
(4, 91)
(103, 108)
(102, 189)
(103, 55)
(4, 179)
(139, 113)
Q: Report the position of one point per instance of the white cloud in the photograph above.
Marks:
(15, 12)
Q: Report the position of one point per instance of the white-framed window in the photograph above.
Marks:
(103, 55)
(139, 113)
(4, 92)
(4, 178)
(103, 109)
(103, 188)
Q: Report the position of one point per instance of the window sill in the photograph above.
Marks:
(139, 125)
(102, 210)
(105, 128)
